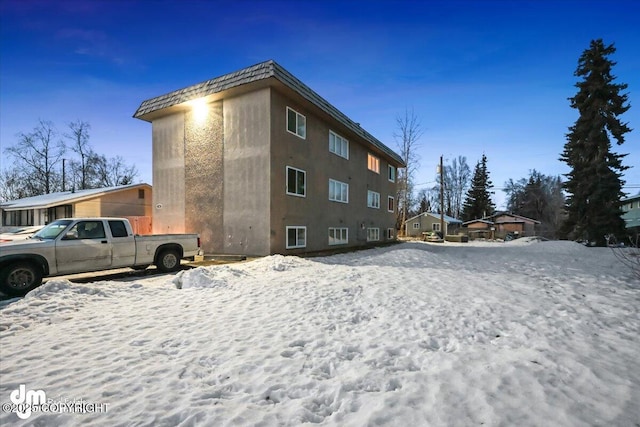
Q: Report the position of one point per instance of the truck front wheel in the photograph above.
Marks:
(168, 260)
(19, 278)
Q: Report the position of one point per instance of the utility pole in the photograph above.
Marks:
(63, 175)
(442, 199)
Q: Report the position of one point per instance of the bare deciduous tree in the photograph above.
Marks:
(407, 135)
(114, 171)
(12, 184)
(457, 177)
(39, 152)
(79, 137)
(37, 160)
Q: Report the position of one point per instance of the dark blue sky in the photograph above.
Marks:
(482, 76)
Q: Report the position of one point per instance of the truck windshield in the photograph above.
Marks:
(53, 230)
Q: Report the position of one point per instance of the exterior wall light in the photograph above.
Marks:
(200, 109)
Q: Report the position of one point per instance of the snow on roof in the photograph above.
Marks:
(55, 199)
(631, 198)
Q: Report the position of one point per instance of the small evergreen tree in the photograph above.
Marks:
(594, 185)
(478, 203)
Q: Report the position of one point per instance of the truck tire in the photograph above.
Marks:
(19, 278)
(168, 261)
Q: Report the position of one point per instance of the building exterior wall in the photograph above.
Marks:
(169, 174)
(315, 211)
(247, 174)
(121, 203)
(224, 176)
(509, 227)
(479, 226)
(203, 174)
(631, 215)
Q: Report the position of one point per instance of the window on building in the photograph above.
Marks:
(436, 226)
(57, 212)
(390, 233)
(373, 199)
(141, 193)
(18, 218)
(392, 173)
(338, 236)
(373, 234)
(338, 191)
(296, 182)
(373, 163)
(416, 225)
(296, 237)
(338, 145)
(296, 123)
(391, 204)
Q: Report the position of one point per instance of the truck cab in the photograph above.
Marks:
(79, 245)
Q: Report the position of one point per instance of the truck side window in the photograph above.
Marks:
(118, 228)
(87, 230)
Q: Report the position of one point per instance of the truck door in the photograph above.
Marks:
(84, 247)
(123, 244)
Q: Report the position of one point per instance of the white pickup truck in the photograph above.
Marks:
(79, 245)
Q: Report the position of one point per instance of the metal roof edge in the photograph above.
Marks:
(264, 70)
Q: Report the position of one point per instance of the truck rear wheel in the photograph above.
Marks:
(168, 260)
(19, 278)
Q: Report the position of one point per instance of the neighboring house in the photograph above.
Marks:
(124, 201)
(500, 224)
(257, 163)
(428, 221)
(631, 215)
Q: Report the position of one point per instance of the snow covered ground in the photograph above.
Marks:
(523, 333)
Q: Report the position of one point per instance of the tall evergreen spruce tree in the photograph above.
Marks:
(594, 185)
(478, 203)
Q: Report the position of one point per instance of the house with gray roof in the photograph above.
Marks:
(258, 163)
(430, 222)
(130, 201)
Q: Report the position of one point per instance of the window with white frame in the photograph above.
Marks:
(416, 225)
(296, 123)
(338, 191)
(338, 236)
(296, 237)
(373, 234)
(338, 145)
(373, 163)
(373, 199)
(296, 182)
(390, 233)
(392, 173)
(436, 226)
(391, 204)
